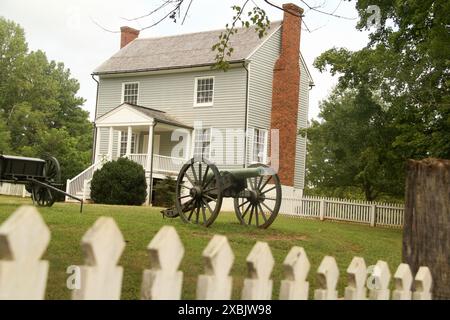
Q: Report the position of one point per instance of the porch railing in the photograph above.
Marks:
(163, 164)
(76, 185)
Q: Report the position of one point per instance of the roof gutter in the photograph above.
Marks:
(94, 133)
(246, 113)
(165, 69)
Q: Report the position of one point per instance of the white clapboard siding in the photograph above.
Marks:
(372, 213)
(23, 275)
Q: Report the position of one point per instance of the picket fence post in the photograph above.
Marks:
(260, 262)
(101, 277)
(296, 268)
(373, 211)
(24, 237)
(216, 284)
(422, 284)
(23, 275)
(322, 209)
(327, 276)
(163, 281)
(381, 276)
(356, 275)
(403, 281)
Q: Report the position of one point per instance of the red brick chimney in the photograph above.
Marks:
(127, 35)
(285, 92)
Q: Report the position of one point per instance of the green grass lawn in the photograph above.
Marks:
(140, 224)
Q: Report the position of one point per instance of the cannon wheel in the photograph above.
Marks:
(52, 170)
(199, 192)
(42, 196)
(255, 204)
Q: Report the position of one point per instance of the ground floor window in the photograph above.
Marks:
(124, 141)
(202, 144)
(258, 145)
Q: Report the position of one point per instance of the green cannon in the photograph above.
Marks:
(201, 187)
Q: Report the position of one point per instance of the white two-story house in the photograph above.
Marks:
(159, 102)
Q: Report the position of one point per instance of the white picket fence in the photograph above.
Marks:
(24, 238)
(372, 213)
(10, 189)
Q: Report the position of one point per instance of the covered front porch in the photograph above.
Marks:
(152, 138)
(158, 142)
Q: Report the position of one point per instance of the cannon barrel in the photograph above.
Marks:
(244, 173)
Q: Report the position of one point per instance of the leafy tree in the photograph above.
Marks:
(407, 62)
(406, 65)
(119, 182)
(39, 109)
(349, 152)
(4, 137)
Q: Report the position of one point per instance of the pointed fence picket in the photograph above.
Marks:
(23, 275)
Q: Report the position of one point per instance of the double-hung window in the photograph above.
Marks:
(204, 91)
(202, 145)
(124, 141)
(258, 145)
(130, 92)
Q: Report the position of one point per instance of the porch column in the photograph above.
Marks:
(97, 144)
(188, 147)
(110, 143)
(149, 165)
(130, 132)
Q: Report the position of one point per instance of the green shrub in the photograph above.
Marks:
(165, 191)
(119, 182)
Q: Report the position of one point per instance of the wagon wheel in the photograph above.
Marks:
(260, 202)
(52, 169)
(199, 192)
(42, 196)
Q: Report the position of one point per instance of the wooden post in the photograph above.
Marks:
(260, 262)
(296, 267)
(216, 283)
(98, 140)
(327, 277)
(426, 233)
(322, 209)
(373, 210)
(110, 143)
(163, 281)
(101, 277)
(129, 136)
(24, 237)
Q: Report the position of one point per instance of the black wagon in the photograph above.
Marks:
(41, 177)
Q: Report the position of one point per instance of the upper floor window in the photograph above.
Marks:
(204, 91)
(131, 92)
(259, 145)
(202, 143)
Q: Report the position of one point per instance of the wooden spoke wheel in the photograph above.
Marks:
(42, 196)
(260, 202)
(52, 169)
(199, 192)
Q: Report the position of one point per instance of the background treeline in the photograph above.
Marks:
(39, 109)
(391, 103)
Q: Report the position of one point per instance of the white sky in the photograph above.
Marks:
(66, 32)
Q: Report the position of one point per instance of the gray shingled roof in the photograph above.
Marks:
(193, 49)
(159, 116)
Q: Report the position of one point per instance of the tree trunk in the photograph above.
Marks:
(426, 233)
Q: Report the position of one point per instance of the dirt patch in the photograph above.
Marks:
(286, 237)
(271, 237)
